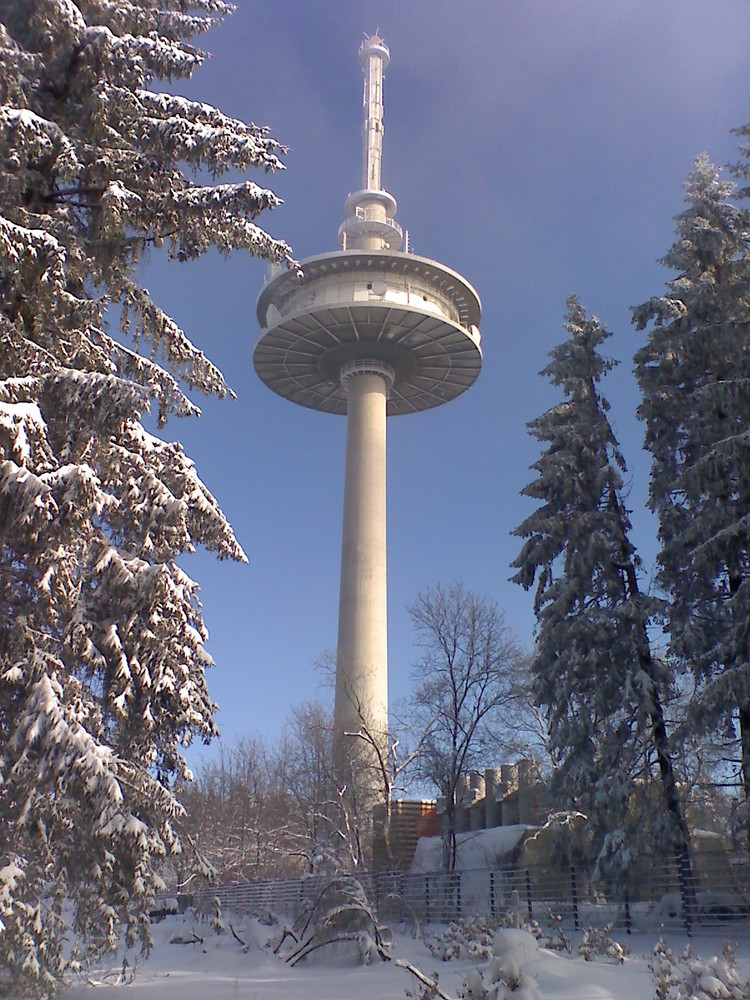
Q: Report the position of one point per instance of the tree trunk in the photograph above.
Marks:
(449, 838)
(671, 795)
(744, 714)
(666, 768)
(387, 823)
(743, 711)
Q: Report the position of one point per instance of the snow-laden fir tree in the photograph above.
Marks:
(102, 659)
(593, 670)
(694, 374)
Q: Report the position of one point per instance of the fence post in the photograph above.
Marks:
(427, 897)
(687, 893)
(458, 893)
(528, 893)
(574, 893)
(628, 922)
(492, 894)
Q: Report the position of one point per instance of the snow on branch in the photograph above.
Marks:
(33, 138)
(173, 21)
(138, 58)
(221, 217)
(188, 130)
(181, 493)
(98, 399)
(21, 247)
(159, 382)
(20, 425)
(164, 334)
(26, 503)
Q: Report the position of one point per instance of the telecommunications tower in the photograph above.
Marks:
(367, 332)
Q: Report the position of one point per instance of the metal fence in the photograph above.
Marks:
(717, 896)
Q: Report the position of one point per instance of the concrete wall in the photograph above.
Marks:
(501, 796)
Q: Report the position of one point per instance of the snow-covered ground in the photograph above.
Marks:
(218, 968)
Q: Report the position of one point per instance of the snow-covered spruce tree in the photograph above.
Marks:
(102, 653)
(694, 374)
(593, 671)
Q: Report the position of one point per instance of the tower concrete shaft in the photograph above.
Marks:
(362, 653)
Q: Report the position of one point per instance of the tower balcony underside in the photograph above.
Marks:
(412, 318)
(433, 360)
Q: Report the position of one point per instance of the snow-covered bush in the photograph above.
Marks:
(474, 937)
(507, 982)
(597, 943)
(102, 640)
(216, 920)
(474, 987)
(340, 915)
(423, 987)
(467, 937)
(554, 937)
(690, 978)
(507, 977)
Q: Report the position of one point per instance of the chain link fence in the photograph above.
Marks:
(717, 896)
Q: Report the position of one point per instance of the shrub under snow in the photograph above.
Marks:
(597, 943)
(339, 915)
(474, 937)
(690, 978)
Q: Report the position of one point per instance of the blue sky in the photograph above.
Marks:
(538, 149)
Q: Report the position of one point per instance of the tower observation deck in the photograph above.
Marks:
(367, 331)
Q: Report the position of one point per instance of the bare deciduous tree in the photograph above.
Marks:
(468, 685)
(383, 768)
(235, 803)
(314, 803)
(267, 810)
